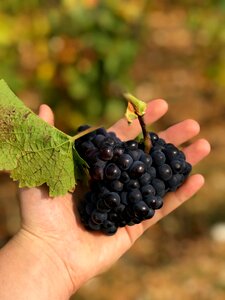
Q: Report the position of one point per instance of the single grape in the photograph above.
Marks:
(132, 184)
(165, 172)
(93, 226)
(113, 217)
(152, 172)
(150, 213)
(124, 161)
(98, 139)
(159, 186)
(147, 190)
(106, 153)
(177, 166)
(131, 145)
(171, 152)
(158, 157)
(83, 128)
(124, 177)
(145, 179)
(112, 172)
(155, 202)
(137, 169)
(111, 199)
(101, 131)
(98, 217)
(102, 207)
(134, 195)
(154, 137)
(141, 209)
(146, 159)
(135, 154)
(116, 185)
(97, 171)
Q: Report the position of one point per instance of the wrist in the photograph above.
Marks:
(39, 270)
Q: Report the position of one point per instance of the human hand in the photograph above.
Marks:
(53, 223)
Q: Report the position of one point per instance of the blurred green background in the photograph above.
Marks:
(78, 56)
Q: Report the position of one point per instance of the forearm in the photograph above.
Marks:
(30, 271)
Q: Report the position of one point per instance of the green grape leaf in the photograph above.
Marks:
(34, 151)
(135, 108)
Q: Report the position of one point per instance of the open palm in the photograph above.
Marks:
(55, 221)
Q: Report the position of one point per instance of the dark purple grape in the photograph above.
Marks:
(111, 199)
(177, 166)
(98, 217)
(134, 195)
(101, 206)
(98, 139)
(141, 209)
(160, 142)
(152, 172)
(91, 155)
(97, 171)
(124, 161)
(124, 177)
(101, 131)
(171, 152)
(87, 145)
(165, 172)
(135, 154)
(150, 213)
(131, 145)
(159, 186)
(158, 157)
(106, 153)
(116, 185)
(145, 179)
(93, 226)
(83, 128)
(109, 227)
(181, 155)
(113, 217)
(120, 208)
(132, 184)
(155, 202)
(109, 141)
(154, 137)
(147, 190)
(137, 169)
(146, 159)
(118, 151)
(112, 172)
(89, 207)
(187, 169)
(175, 181)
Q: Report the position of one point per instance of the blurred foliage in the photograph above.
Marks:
(74, 55)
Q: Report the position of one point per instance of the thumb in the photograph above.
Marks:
(46, 114)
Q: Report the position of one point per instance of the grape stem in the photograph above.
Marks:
(146, 136)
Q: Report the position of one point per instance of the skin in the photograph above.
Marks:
(52, 255)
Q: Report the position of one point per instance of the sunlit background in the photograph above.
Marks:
(78, 56)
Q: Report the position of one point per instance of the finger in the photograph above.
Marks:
(181, 132)
(46, 114)
(197, 151)
(175, 199)
(155, 110)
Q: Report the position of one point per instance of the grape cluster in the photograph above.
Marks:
(127, 185)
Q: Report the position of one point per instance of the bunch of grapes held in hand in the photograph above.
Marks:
(127, 182)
